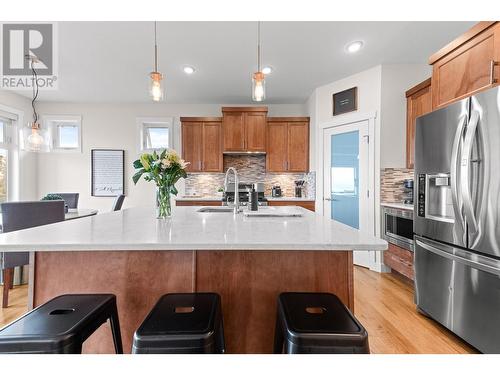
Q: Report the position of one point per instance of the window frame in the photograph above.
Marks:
(143, 123)
(50, 122)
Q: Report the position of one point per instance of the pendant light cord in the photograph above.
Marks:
(35, 90)
(258, 46)
(156, 52)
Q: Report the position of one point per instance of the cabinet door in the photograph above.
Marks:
(298, 147)
(233, 127)
(417, 105)
(468, 69)
(255, 129)
(276, 147)
(212, 147)
(192, 139)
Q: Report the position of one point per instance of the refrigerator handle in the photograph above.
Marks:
(458, 255)
(470, 216)
(454, 175)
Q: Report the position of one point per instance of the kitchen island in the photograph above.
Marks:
(247, 260)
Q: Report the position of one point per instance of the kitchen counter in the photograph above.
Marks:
(398, 205)
(196, 198)
(138, 229)
(289, 199)
(248, 261)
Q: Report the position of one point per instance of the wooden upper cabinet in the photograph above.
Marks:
(255, 126)
(192, 133)
(418, 103)
(287, 144)
(276, 156)
(202, 143)
(298, 146)
(244, 129)
(212, 147)
(467, 65)
(233, 126)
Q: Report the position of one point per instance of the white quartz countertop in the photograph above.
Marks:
(398, 205)
(138, 229)
(198, 198)
(290, 199)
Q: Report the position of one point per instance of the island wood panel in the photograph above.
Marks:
(137, 278)
(309, 205)
(249, 283)
(212, 147)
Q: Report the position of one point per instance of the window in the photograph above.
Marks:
(155, 134)
(65, 132)
(8, 155)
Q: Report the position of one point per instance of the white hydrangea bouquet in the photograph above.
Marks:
(164, 169)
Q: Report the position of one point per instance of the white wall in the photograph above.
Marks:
(114, 126)
(396, 80)
(26, 179)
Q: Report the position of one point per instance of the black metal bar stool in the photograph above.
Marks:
(62, 325)
(182, 323)
(317, 323)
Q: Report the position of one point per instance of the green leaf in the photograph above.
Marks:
(163, 153)
(173, 190)
(137, 164)
(137, 175)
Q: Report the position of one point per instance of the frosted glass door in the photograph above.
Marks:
(345, 178)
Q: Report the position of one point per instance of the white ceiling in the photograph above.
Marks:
(110, 61)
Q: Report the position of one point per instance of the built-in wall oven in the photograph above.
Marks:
(397, 227)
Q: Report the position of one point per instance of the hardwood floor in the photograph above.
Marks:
(18, 299)
(383, 303)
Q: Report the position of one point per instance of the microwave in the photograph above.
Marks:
(397, 227)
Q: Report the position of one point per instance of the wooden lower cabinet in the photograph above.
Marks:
(198, 203)
(400, 260)
(310, 205)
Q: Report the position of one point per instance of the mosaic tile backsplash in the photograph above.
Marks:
(251, 168)
(391, 184)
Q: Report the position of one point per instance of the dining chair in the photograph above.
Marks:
(117, 204)
(23, 215)
(71, 199)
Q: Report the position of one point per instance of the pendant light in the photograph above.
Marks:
(258, 81)
(155, 86)
(35, 139)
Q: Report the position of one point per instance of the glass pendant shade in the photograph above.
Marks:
(35, 139)
(258, 87)
(155, 87)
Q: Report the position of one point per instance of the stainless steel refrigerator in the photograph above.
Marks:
(457, 218)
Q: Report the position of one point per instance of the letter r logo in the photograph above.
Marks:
(21, 40)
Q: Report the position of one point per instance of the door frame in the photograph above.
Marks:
(373, 170)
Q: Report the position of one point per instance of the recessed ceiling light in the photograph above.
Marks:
(267, 70)
(188, 69)
(354, 47)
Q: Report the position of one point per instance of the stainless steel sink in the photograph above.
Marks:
(215, 209)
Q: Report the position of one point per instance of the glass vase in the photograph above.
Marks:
(163, 202)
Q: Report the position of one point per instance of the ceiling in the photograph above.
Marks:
(110, 61)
